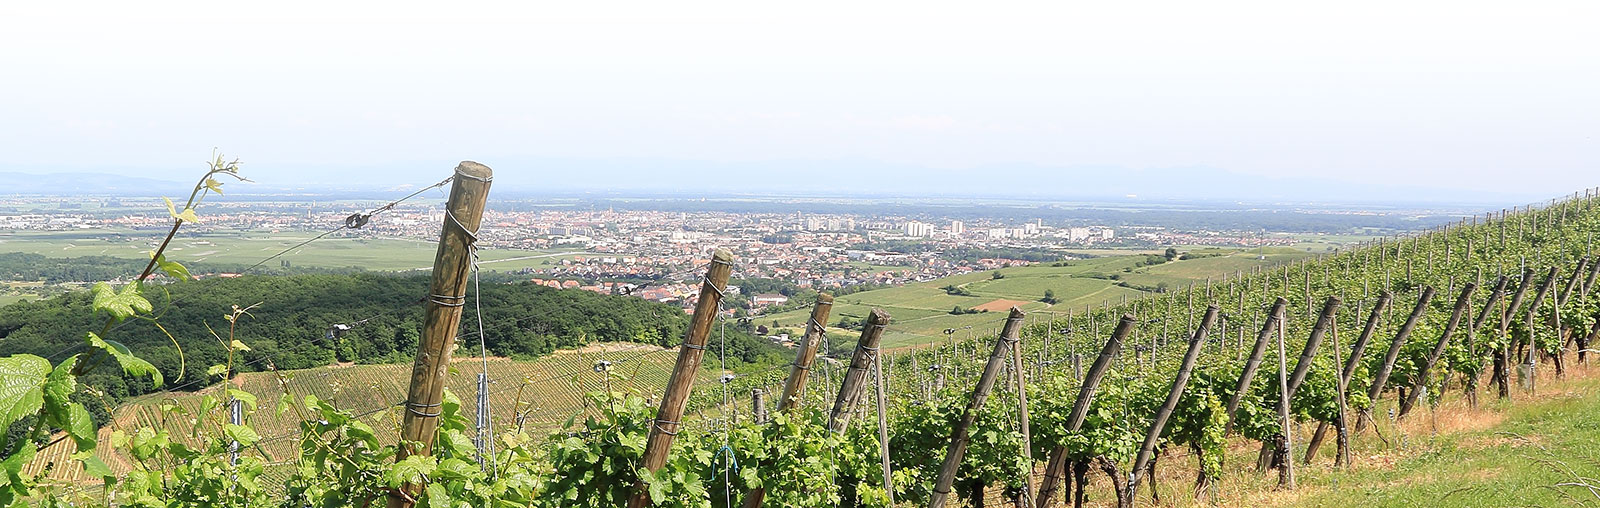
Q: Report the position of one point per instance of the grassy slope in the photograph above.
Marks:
(551, 390)
(921, 311)
(1504, 454)
(1512, 453)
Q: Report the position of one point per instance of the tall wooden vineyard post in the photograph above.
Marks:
(1056, 467)
(806, 354)
(980, 394)
(667, 422)
(854, 384)
(1014, 335)
(1380, 379)
(447, 294)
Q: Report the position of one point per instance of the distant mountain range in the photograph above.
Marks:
(820, 179)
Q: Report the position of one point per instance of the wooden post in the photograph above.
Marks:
(1501, 365)
(1572, 283)
(1350, 366)
(1494, 297)
(668, 416)
(883, 430)
(447, 291)
(866, 353)
(1380, 380)
(1056, 468)
(758, 405)
(1285, 446)
(1185, 370)
(1438, 349)
(1330, 309)
(1302, 366)
(1538, 299)
(1254, 362)
(806, 354)
(1342, 445)
(1013, 332)
(959, 438)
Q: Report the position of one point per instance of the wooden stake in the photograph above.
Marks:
(1380, 380)
(806, 354)
(1285, 446)
(1056, 467)
(668, 416)
(1438, 348)
(1185, 370)
(883, 431)
(958, 441)
(447, 291)
(1248, 374)
(865, 354)
(1350, 366)
(1012, 332)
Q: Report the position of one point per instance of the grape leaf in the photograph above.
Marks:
(132, 365)
(120, 304)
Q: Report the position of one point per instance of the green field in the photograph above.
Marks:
(339, 250)
(1320, 243)
(921, 311)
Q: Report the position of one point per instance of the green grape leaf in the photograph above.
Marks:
(173, 268)
(13, 465)
(93, 467)
(187, 215)
(246, 436)
(132, 365)
(81, 426)
(248, 398)
(58, 388)
(413, 469)
(120, 304)
(22, 379)
(214, 185)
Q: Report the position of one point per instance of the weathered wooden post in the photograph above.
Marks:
(1285, 444)
(1013, 330)
(1148, 449)
(959, 437)
(1502, 365)
(1438, 348)
(1254, 362)
(883, 430)
(447, 294)
(806, 354)
(1055, 469)
(1330, 309)
(1380, 379)
(668, 416)
(758, 405)
(854, 383)
(1350, 366)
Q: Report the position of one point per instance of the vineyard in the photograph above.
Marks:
(1285, 364)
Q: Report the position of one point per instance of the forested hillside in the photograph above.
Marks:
(292, 316)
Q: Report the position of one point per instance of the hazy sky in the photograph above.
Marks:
(1480, 97)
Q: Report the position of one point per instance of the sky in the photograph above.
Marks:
(1337, 100)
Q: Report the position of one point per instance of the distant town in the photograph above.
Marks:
(658, 255)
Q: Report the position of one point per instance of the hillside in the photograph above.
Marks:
(537, 395)
(921, 311)
(289, 325)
